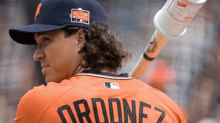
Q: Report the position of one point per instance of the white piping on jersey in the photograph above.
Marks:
(102, 76)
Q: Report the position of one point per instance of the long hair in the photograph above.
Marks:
(102, 50)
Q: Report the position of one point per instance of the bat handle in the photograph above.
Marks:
(155, 45)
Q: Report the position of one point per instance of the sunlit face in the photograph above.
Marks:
(59, 56)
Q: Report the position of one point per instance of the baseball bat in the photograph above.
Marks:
(155, 45)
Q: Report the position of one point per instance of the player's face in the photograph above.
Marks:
(58, 55)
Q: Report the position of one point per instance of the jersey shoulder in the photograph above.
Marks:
(28, 109)
(164, 98)
(36, 101)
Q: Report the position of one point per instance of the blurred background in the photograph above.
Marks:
(187, 69)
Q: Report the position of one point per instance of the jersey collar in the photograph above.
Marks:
(97, 73)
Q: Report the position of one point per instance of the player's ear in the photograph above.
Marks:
(80, 39)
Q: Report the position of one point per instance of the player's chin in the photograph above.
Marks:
(46, 79)
(48, 74)
(52, 78)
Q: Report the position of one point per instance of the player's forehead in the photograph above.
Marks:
(49, 33)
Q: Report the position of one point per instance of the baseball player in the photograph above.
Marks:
(79, 60)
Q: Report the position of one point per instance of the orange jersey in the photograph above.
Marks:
(97, 98)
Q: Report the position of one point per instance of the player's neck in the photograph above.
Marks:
(109, 71)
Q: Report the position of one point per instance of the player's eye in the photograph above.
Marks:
(45, 40)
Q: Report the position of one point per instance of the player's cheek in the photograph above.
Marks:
(62, 68)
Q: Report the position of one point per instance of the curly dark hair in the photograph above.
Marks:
(102, 50)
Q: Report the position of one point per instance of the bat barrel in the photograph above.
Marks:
(172, 19)
(170, 23)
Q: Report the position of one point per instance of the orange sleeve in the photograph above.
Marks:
(170, 104)
(28, 111)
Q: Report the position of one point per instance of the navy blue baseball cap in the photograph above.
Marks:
(57, 14)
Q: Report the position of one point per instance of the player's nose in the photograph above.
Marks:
(38, 54)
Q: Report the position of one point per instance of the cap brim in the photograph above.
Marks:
(25, 34)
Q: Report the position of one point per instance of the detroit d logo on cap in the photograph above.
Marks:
(80, 16)
(38, 10)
